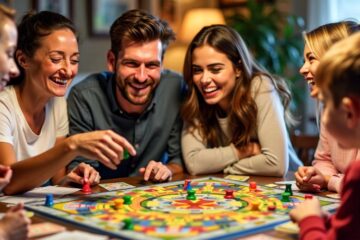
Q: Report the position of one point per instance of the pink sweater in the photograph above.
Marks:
(332, 160)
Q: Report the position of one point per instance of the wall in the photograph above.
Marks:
(93, 49)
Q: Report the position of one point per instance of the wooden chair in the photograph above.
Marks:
(305, 146)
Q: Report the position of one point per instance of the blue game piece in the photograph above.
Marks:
(49, 200)
(188, 187)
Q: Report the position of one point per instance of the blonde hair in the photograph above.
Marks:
(339, 70)
(322, 38)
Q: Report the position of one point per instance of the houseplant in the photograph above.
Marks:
(276, 42)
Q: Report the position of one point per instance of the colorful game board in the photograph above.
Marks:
(163, 211)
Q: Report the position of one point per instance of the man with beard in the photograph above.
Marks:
(137, 99)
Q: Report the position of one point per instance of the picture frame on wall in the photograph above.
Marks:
(63, 7)
(102, 13)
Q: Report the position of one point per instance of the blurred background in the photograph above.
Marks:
(271, 28)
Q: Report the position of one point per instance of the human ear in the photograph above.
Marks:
(111, 61)
(351, 105)
(22, 59)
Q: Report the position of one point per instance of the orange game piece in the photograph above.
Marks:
(119, 203)
(255, 206)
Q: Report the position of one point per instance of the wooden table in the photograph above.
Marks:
(137, 181)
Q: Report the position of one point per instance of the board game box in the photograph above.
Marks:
(203, 210)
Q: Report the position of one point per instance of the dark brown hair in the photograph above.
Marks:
(243, 115)
(32, 28)
(139, 26)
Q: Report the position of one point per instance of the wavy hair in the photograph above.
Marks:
(243, 114)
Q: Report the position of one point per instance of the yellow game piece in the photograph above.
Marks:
(119, 203)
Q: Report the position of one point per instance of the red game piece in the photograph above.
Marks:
(252, 186)
(86, 189)
(271, 208)
(308, 196)
(229, 194)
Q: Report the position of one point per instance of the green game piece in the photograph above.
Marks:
(127, 199)
(126, 154)
(285, 197)
(191, 195)
(128, 224)
(288, 189)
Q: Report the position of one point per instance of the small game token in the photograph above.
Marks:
(127, 199)
(86, 189)
(285, 197)
(128, 224)
(119, 203)
(252, 186)
(189, 187)
(308, 196)
(191, 195)
(49, 200)
(126, 154)
(288, 189)
(186, 183)
(255, 206)
(271, 208)
(229, 194)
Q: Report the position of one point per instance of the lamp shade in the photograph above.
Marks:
(197, 18)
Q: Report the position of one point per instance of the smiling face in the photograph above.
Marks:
(311, 63)
(214, 76)
(138, 70)
(54, 64)
(8, 41)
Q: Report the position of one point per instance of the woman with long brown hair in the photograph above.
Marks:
(234, 111)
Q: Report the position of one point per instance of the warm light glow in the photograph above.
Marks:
(195, 19)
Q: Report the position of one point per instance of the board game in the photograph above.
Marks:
(165, 211)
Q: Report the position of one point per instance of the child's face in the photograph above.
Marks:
(8, 40)
(336, 120)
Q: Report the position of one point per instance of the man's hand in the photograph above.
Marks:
(156, 171)
(310, 179)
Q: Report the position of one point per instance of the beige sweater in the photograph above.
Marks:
(271, 134)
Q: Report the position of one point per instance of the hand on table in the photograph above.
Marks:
(310, 207)
(5, 176)
(310, 179)
(84, 173)
(156, 171)
(15, 224)
(105, 146)
(251, 149)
